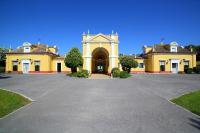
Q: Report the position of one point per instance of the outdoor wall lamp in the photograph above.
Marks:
(18, 61)
(31, 61)
(182, 61)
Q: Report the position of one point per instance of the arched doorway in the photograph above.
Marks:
(100, 60)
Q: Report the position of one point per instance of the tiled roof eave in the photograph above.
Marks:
(41, 53)
(172, 53)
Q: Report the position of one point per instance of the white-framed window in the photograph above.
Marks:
(15, 65)
(173, 49)
(186, 64)
(27, 49)
(162, 65)
(141, 65)
(37, 65)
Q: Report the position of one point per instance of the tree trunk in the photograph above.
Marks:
(128, 70)
(73, 70)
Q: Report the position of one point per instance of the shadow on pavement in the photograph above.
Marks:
(2, 76)
(195, 122)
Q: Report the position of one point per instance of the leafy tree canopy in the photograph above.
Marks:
(3, 52)
(73, 59)
(196, 48)
(127, 63)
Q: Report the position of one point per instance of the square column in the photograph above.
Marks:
(88, 57)
(112, 55)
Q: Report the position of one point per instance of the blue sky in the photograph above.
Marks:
(62, 22)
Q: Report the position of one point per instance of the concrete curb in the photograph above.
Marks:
(20, 107)
(19, 94)
(181, 106)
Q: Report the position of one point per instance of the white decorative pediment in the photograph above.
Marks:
(100, 38)
(174, 43)
(26, 44)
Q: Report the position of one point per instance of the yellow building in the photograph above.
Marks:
(170, 58)
(35, 58)
(100, 55)
(141, 65)
(100, 52)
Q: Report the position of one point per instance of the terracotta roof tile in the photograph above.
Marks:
(166, 49)
(35, 48)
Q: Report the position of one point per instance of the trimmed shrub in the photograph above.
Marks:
(124, 74)
(80, 74)
(115, 72)
(72, 74)
(197, 69)
(83, 74)
(188, 70)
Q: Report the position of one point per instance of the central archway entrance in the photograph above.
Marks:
(100, 60)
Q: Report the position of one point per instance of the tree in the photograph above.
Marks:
(127, 63)
(73, 59)
(121, 54)
(196, 48)
(3, 52)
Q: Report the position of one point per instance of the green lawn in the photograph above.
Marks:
(189, 101)
(10, 101)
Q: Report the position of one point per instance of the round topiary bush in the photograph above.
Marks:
(124, 74)
(115, 72)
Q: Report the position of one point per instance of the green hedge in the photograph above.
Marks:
(188, 70)
(192, 70)
(124, 74)
(197, 69)
(80, 74)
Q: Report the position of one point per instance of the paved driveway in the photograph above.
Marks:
(67, 105)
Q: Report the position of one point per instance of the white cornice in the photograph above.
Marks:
(100, 42)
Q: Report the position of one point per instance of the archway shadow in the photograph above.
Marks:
(100, 61)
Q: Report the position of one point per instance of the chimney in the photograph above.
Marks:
(88, 35)
(153, 49)
(39, 41)
(191, 49)
(112, 35)
(10, 50)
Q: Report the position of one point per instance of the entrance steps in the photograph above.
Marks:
(99, 76)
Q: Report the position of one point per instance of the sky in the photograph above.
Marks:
(62, 22)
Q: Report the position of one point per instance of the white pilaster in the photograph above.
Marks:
(88, 64)
(88, 57)
(112, 55)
